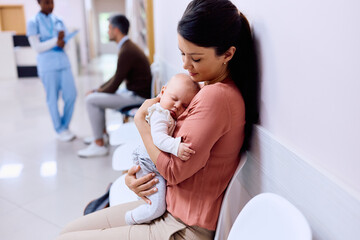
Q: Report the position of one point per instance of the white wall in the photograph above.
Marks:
(309, 100)
(71, 11)
(166, 16)
(310, 82)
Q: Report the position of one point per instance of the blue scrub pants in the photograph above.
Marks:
(54, 82)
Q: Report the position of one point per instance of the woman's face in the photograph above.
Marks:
(47, 6)
(202, 63)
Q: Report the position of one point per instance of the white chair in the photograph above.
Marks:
(271, 217)
(120, 193)
(128, 138)
(230, 206)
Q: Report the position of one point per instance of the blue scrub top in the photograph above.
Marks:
(47, 27)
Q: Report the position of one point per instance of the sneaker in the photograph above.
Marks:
(93, 150)
(66, 136)
(89, 140)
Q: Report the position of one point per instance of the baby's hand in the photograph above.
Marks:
(184, 151)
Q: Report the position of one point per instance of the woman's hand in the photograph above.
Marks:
(143, 110)
(143, 186)
(61, 35)
(60, 42)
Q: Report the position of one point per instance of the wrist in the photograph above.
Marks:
(138, 120)
(139, 117)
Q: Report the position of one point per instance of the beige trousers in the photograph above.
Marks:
(110, 224)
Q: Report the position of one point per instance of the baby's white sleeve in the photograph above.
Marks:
(38, 46)
(159, 125)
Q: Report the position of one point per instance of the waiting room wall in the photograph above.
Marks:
(310, 80)
(306, 146)
(71, 11)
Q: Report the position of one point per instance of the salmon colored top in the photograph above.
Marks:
(214, 126)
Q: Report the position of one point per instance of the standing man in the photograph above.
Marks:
(132, 67)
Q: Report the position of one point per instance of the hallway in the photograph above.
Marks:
(43, 184)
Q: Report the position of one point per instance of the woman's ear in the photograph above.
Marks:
(228, 55)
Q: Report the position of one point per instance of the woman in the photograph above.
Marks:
(217, 49)
(47, 36)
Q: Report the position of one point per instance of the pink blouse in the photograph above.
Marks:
(214, 126)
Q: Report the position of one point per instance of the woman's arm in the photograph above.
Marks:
(144, 129)
(38, 46)
(207, 120)
(144, 186)
(34, 38)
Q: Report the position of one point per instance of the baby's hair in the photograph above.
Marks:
(195, 86)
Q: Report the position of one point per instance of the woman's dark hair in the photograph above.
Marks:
(219, 24)
(120, 22)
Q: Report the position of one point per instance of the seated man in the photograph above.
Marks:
(132, 67)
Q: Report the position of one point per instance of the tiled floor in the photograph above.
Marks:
(43, 184)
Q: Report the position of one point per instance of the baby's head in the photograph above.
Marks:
(178, 93)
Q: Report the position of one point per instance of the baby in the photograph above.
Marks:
(174, 99)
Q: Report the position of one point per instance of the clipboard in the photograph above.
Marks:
(70, 35)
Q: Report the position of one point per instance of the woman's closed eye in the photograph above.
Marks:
(195, 60)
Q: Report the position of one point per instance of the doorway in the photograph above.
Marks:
(103, 10)
(12, 18)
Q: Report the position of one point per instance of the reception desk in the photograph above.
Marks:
(18, 59)
(7, 56)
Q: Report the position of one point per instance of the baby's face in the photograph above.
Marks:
(177, 97)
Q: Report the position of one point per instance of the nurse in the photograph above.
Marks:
(47, 34)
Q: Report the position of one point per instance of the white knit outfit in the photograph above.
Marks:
(162, 127)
